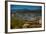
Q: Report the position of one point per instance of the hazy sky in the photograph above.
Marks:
(15, 7)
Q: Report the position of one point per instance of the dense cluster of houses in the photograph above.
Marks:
(29, 18)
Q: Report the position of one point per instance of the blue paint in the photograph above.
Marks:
(17, 7)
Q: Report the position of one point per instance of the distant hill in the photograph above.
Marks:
(26, 11)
